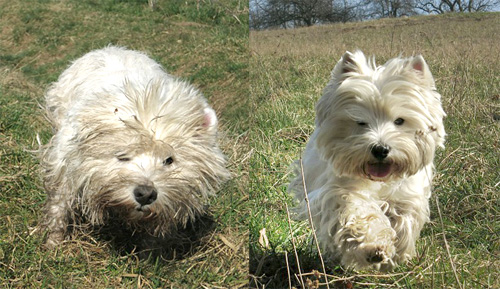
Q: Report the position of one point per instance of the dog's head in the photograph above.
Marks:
(151, 162)
(379, 123)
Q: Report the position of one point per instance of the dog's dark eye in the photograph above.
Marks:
(399, 121)
(361, 123)
(123, 158)
(168, 161)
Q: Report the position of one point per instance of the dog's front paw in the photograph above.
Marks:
(377, 256)
(371, 249)
(54, 239)
(374, 253)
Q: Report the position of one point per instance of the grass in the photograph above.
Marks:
(205, 42)
(265, 100)
(289, 69)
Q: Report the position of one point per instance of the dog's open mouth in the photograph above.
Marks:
(378, 170)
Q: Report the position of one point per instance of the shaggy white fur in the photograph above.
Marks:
(368, 165)
(132, 144)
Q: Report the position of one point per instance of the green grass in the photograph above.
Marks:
(205, 42)
(288, 70)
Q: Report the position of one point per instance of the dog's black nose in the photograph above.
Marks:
(380, 152)
(145, 195)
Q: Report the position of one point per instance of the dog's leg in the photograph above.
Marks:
(56, 218)
(364, 235)
(408, 221)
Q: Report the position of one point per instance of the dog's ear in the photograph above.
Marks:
(209, 120)
(350, 64)
(419, 65)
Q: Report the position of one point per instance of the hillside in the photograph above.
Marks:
(289, 69)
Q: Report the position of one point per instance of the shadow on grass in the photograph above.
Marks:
(269, 269)
(180, 243)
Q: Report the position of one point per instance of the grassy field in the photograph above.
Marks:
(205, 42)
(289, 69)
(265, 99)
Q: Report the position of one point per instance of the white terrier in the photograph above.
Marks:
(368, 166)
(133, 146)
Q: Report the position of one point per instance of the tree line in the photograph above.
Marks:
(297, 13)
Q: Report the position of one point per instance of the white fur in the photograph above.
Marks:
(369, 210)
(118, 118)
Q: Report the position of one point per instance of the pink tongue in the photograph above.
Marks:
(379, 170)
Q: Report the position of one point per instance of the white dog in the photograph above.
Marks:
(133, 146)
(368, 165)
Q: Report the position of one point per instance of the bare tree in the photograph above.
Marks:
(388, 8)
(296, 13)
(445, 6)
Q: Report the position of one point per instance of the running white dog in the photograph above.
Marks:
(133, 146)
(368, 166)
